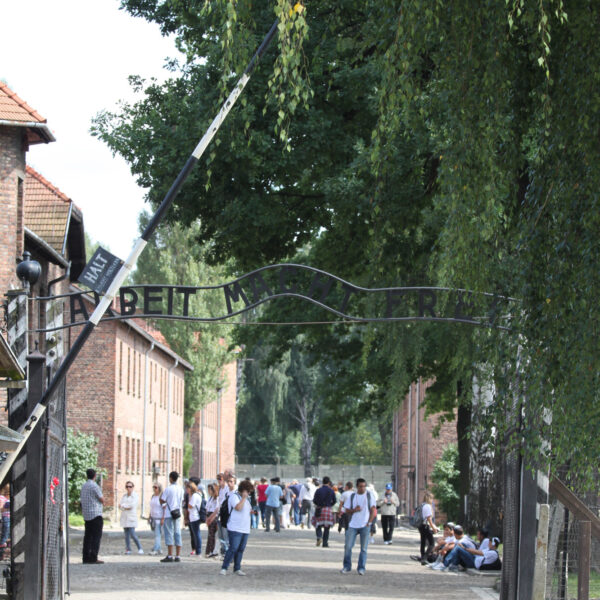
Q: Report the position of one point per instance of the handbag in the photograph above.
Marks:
(175, 514)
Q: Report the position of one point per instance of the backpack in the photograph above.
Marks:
(202, 510)
(368, 500)
(224, 511)
(416, 520)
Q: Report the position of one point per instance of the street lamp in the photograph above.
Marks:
(28, 271)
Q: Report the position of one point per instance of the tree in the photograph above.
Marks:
(82, 455)
(442, 144)
(444, 480)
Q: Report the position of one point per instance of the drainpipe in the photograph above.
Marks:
(144, 435)
(219, 470)
(408, 490)
(202, 443)
(417, 423)
(169, 404)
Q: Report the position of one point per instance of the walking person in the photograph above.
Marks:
(222, 493)
(91, 499)
(157, 513)
(212, 519)
(273, 494)
(129, 518)
(238, 527)
(254, 507)
(343, 517)
(388, 506)
(307, 492)
(295, 487)
(286, 505)
(426, 529)
(262, 498)
(361, 510)
(194, 510)
(172, 499)
(323, 520)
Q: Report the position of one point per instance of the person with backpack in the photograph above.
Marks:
(361, 509)
(423, 520)
(238, 525)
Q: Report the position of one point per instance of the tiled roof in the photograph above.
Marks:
(155, 333)
(12, 108)
(46, 210)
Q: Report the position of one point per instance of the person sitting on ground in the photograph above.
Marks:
(482, 560)
(443, 545)
(459, 537)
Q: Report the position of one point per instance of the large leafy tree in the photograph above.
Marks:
(407, 142)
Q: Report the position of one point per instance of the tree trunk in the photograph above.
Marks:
(463, 427)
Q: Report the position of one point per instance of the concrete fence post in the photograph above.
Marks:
(541, 555)
(583, 573)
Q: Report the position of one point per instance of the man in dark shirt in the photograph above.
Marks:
(295, 487)
(323, 500)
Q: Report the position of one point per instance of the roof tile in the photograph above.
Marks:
(12, 108)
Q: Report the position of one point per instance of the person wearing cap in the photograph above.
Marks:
(482, 560)
(388, 506)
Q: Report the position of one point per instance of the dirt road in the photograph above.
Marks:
(286, 564)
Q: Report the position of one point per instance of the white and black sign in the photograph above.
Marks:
(100, 271)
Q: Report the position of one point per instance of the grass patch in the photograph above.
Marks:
(75, 520)
(572, 584)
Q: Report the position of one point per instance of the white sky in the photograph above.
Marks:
(69, 59)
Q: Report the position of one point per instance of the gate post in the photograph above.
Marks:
(34, 483)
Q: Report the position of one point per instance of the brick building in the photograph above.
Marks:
(213, 433)
(415, 449)
(127, 388)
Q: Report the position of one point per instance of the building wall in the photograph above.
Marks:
(416, 450)
(213, 432)
(12, 170)
(108, 386)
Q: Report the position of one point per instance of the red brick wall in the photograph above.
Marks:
(106, 394)
(12, 168)
(213, 433)
(409, 418)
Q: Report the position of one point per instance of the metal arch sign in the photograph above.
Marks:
(336, 297)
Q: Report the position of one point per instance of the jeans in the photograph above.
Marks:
(426, 540)
(305, 512)
(129, 535)
(5, 530)
(172, 531)
(223, 537)
(275, 511)
(157, 535)
(91, 539)
(196, 536)
(262, 506)
(458, 555)
(254, 518)
(323, 532)
(387, 524)
(351, 534)
(237, 545)
(296, 507)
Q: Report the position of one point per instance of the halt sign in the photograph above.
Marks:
(100, 270)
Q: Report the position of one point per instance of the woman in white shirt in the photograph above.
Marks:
(129, 519)
(426, 529)
(194, 506)
(157, 514)
(238, 527)
(212, 519)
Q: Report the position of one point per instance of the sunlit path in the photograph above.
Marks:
(288, 564)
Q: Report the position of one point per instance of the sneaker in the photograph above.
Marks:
(361, 571)
(192, 553)
(371, 540)
(390, 543)
(154, 553)
(319, 541)
(167, 559)
(325, 545)
(140, 551)
(223, 572)
(177, 559)
(213, 555)
(239, 572)
(452, 568)
(127, 551)
(345, 571)
(415, 557)
(438, 566)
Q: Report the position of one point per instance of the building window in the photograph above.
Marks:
(19, 247)
(149, 457)
(120, 365)
(134, 365)
(126, 455)
(119, 453)
(150, 390)
(139, 456)
(160, 397)
(128, 367)
(140, 375)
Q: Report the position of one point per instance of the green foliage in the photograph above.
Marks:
(443, 144)
(173, 257)
(82, 455)
(444, 479)
(188, 455)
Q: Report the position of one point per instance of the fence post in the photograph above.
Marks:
(541, 555)
(583, 574)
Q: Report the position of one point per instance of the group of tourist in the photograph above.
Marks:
(230, 510)
(454, 549)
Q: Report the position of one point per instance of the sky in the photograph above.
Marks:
(69, 59)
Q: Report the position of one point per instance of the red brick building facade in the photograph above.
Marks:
(415, 448)
(213, 433)
(127, 388)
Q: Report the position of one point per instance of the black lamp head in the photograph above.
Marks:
(29, 271)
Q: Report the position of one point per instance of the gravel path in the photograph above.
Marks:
(287, 564)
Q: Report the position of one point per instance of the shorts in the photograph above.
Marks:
(172, 531)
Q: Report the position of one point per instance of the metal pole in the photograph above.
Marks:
(583, 573)
(138, 247)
